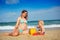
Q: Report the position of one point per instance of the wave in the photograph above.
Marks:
(45, 26)
(52, 26)
(6, 27)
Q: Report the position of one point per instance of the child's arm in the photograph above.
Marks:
(42, 26)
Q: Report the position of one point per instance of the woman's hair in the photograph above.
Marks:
(23, 11)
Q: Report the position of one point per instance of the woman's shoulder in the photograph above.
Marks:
(19, 18)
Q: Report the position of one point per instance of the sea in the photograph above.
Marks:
(31, 24)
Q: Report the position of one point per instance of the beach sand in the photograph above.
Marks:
(50, 34)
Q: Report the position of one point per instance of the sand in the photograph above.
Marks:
(50, 34)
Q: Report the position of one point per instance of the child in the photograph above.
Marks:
(40, 27)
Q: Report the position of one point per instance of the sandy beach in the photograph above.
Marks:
(50, 34)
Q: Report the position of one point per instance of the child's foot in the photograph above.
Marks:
(42, 33)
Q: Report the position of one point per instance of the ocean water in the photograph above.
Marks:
(47, 24)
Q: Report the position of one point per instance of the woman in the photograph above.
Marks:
(21, 25)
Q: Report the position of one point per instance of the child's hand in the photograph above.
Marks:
(38, 27)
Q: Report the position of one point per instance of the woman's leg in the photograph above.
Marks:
(14, 33)
(25, 32)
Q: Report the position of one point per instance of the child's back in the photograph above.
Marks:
(40, 26)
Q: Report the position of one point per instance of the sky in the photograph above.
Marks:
(10, 10)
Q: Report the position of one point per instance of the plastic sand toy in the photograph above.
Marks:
(32, 31)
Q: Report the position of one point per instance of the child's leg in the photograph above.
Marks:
(41, 33)
(38, 32)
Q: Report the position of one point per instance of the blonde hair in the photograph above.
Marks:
(41, 22)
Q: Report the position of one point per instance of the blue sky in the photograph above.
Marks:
(10, 10)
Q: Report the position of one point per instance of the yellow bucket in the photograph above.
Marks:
(32, 31)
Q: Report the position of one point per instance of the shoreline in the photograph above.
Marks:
(54, 28)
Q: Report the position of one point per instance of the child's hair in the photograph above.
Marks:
(41, 22)
(26, 14)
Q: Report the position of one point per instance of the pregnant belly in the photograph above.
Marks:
(23, 26)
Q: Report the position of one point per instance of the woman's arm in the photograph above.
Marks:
(17, 23)
(15, 30)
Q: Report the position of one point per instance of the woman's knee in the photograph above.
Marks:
(15, 34)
